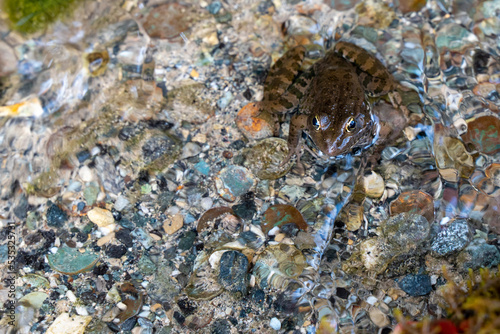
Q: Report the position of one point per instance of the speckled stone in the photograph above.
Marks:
(55, 216)
(233, 272)
(416, 285)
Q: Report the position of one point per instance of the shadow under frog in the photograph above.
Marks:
(329, 101)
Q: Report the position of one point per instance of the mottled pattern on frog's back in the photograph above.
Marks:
(335, 90)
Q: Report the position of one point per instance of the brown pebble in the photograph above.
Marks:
(173, 224)
(227, 154)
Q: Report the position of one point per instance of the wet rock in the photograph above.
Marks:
(234, 181)
(103, 219)
(233, 272)
(373, 185)
(143, 237)
(454, 37)
(483, 133)
(408, 6)
(124, 236)
(187, 240)
(173, 224)
(168, 21)
(246, 209)
(90, 194)
(264, 159)
(414, 201)
(416, 285)
(220, 326)
(70, 261)
(282, 214)
(157, 146)
(352, 216)
(406, 232)
(116, 251)
(479, 254)
(65, 324)
(451, 238)
(21, 209)
(96, 62)
(275, 324)
(378, 317)
(146, 266)
(190, 150)
(251, 125)
(55, 216)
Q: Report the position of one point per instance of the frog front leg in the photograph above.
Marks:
(298, 123)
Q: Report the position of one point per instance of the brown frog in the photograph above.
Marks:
(329, 101)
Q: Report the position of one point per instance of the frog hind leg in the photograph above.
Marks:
(373, 75)
(375, 78)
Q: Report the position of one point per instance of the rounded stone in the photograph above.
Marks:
(234, 181)
(275, 324)
(55, 216)
(265, 158)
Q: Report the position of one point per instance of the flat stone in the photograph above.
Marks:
(66, 324)
(173, 224)
(451, 238)
(416, 285)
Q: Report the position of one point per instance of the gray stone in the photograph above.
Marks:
(451, 238)
(143, 237)
(479, 254)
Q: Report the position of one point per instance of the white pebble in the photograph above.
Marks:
(121, 203)
(81, 310)
(53, 250)
(121, 306)
(71, 296)
(275, 324)
(206, 203)
(371, 300)
(85, 174)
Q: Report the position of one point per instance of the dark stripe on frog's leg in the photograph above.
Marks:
(291, 98)
(372, 73)
(283, 72)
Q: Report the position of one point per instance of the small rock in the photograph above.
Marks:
(416, 285)
(378, 317)
(479, 254)
(233, 272)
(451, 238)
(66, 324)
(102, 218)
(121, 203)
(85, 174)
(246, 209)
(146, 266)
(55, 216)
(233, 181)
(374, 185)
(143, 237)
(206, 203)
(173, 224)
(275, 324)
(124, 237)
(187, 240)
(116, 251)
(190, 150)
(90, 194)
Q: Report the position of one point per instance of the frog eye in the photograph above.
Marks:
(315, 123)
(351, 125)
